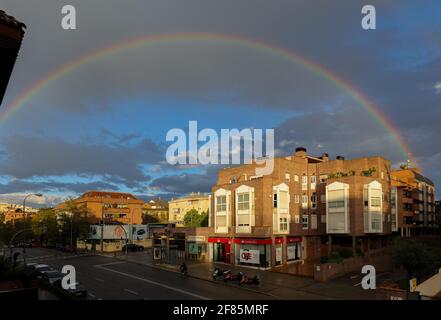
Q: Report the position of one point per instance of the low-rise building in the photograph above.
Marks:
(177, 208)
(156, 208)
(110, 207)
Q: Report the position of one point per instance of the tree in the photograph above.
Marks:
(44, 225)
(75, 222)
(204, 219)
(415, 257)
(195, 219)
(192, 218)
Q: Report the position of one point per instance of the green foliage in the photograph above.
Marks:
(148, 218)
(195, 219)
(417, 258)
(204, 219)
(9, 270)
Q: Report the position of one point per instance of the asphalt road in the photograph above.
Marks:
(109, 278)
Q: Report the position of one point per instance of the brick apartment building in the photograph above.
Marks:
(112, 207)
(304, 209)
(413, 198)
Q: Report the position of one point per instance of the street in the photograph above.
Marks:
(133, 277)
(109, 278)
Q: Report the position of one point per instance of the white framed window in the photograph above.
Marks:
(221, 203)
(305, 201)
(287, 177)
(313, 182)
(243, 201)
(283, 224)
(296, 198)
(304, 182)
(305, 222)
(296, 218)
(296, 178)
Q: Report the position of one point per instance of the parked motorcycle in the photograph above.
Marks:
(230, 276)
(218, 273)
(243, 279)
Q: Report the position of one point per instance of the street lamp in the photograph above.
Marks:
(24, 215)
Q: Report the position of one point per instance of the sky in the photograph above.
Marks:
(103, 125)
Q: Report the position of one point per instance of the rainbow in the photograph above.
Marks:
(372, 109)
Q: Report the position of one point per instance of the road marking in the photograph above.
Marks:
(130, 291)
(152, 282)
(109, 264)
(98, 279)
(92, 295)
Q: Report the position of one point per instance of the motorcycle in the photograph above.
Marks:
(218, 272)
(183, 269)
(243, 279)
(230, 276)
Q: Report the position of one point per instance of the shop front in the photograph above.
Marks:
(293, 248)
(278, 251)
(220, 249)
(196, 247)
(253, 252)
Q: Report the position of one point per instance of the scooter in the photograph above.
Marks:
(218, 272)
(245, 280)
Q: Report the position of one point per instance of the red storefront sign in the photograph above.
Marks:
(252, 241)
(293, 239)
(219, 240)
(279, 240)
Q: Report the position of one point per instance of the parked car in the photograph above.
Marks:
(132, 247)
(51, 276)
(79, 291)
(40, 268)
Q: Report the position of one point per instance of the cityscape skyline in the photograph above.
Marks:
(103, 100)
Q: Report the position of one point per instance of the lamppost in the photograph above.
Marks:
(25, 220)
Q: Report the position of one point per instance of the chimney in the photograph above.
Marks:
(339, 157)
(300, 152)
(325, 157)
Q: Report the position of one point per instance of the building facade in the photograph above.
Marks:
(414, 202)
(177, 208)
(157, 209)
(301, 211)
(111, 207)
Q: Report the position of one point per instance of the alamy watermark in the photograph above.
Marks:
(207, 146)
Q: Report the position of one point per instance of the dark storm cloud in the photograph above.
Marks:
(182, 184)
(27, 157)
(17, 186)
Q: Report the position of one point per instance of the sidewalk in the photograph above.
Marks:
(274, 284)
